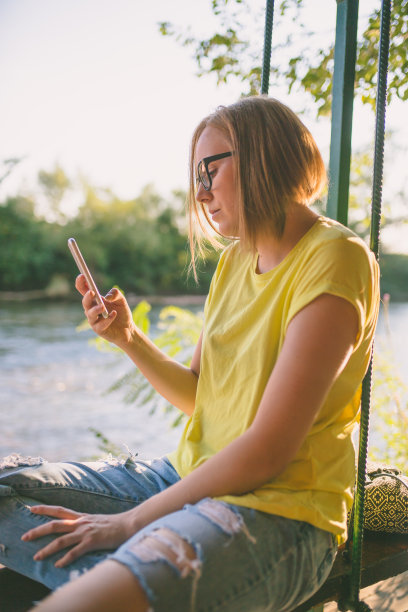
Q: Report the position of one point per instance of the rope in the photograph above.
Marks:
(267, 50)
(352, 602)
(358, 524)
(380, 125)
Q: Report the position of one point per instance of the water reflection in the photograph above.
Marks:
(52, 385)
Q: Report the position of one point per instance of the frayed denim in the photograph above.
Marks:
(210, 556)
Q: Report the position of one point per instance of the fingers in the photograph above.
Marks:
(88, 300)
(97, 322)
(66, 541)
(72, 555)
(59, 526)
(81, 284)
(68, 527)
(48, 529)
(56, 546)
(56, 511)
(94, 314)
(114, 295)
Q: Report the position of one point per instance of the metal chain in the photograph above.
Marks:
(267, 50)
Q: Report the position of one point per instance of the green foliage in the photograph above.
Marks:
(359, 216)
(26, 247)
(361, 179)
(229, 54)
(394, 275)
(55, 185)
(389, 405)
(105, 445)
(179, 331)
(390, 409)
(139, 244)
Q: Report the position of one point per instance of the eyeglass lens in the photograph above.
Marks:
(203, 175)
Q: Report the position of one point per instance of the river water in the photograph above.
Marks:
(53, 386)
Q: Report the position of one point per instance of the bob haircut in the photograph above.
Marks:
(277, 163)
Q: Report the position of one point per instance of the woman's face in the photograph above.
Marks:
(220, 201)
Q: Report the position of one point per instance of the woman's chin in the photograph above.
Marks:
(226, 230)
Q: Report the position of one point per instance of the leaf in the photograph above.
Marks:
(309, 64)
(140, 316)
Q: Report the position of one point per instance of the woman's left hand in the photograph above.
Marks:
(83, 532)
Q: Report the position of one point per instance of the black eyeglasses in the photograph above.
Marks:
(203, 174)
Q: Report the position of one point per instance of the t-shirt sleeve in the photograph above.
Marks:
(344, 267)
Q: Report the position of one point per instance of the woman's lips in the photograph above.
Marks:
(215, 213)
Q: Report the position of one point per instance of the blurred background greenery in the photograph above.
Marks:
(139, 244)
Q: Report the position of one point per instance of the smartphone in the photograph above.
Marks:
(83, 268)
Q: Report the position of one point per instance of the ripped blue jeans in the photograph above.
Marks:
(210, 556)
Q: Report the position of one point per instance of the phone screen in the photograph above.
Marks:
(83, 268)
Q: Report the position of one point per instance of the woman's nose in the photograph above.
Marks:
(202, 195)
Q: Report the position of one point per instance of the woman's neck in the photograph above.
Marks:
(272, 250)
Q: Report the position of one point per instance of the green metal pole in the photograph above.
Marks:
(342, 109)
(352, 601)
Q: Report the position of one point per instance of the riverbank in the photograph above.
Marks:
(394, 281)
(133, 300)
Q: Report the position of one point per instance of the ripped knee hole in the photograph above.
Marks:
(164, 544)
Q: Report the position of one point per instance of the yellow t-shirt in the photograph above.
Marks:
(246, 318)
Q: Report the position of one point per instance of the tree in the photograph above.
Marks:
(229, 54)
(26, 254)
(55, 185)
(359, 217)
(138, 244)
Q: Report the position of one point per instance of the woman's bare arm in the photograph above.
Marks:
(318, 344)
(174, 381)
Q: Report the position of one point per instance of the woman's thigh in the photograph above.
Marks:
(213, 556)
(105, 486)
(97, 487)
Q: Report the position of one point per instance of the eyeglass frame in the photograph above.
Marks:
(206, 161)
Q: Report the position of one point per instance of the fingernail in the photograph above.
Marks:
(37, 557)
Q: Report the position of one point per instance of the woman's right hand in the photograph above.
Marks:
(119, 327)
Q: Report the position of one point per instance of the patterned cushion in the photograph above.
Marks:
(386, 500)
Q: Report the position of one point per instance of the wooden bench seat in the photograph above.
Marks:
(384, 556)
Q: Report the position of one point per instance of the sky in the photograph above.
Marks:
(93, 86)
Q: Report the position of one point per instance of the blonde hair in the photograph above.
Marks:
(277, 162)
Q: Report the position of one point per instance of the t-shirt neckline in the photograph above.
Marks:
(288, 257)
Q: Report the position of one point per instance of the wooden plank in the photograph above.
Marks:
(384, 556)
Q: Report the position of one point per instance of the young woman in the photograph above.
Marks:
(246, 514)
